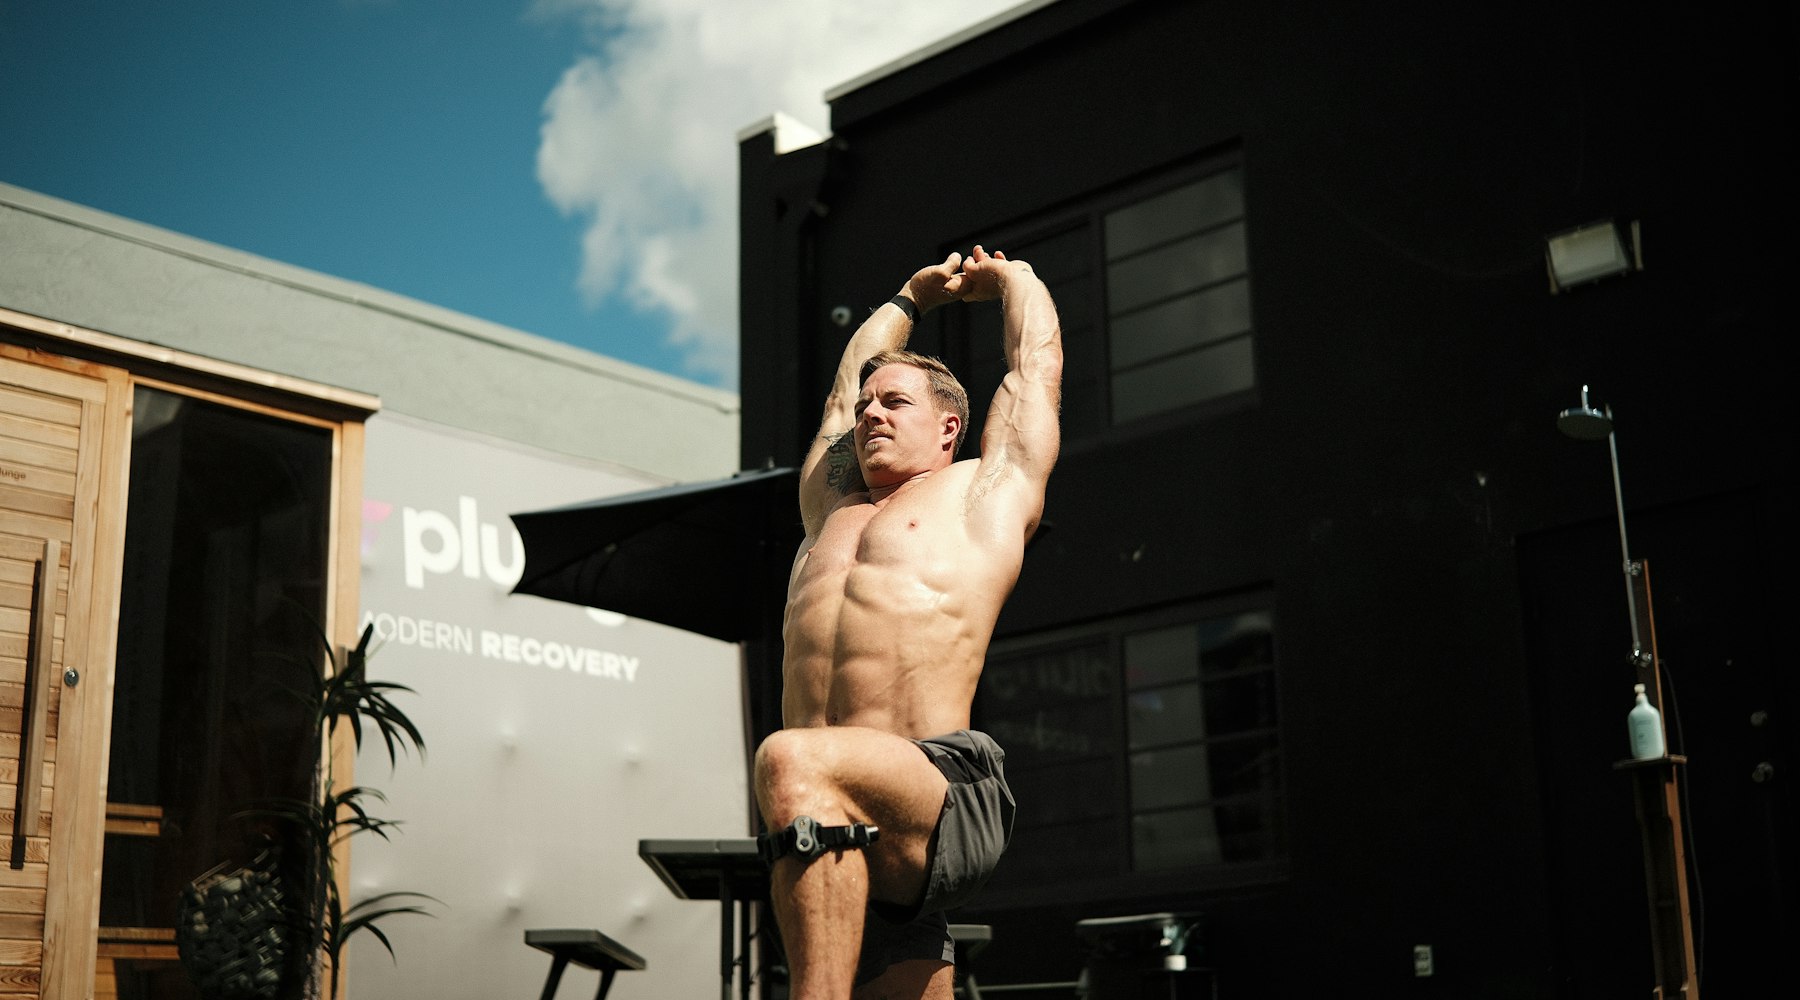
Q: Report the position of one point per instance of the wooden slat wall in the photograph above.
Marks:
(63, 437)
(40, 438)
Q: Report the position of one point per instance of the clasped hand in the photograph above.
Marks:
(974, 279)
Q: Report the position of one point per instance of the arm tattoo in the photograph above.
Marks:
(841, 472)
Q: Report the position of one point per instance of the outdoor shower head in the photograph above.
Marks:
(1584, 423)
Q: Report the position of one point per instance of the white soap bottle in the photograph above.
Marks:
(1645, 723)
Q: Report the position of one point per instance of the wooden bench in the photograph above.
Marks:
(589, 949)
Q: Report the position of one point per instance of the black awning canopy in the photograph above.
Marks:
(697, 556)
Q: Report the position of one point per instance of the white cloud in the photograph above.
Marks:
(639, 137)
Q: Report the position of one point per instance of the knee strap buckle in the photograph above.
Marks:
(805, 838)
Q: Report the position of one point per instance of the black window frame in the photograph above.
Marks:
(972, 345)
(1019, 881)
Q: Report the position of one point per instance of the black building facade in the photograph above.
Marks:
(1328, 639)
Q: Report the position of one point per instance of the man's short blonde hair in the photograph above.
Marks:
(946, 392)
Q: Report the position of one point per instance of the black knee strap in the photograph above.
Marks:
(806, 839)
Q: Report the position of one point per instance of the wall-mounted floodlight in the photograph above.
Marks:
(1591, 252)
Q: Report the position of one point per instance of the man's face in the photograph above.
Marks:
(899, 430)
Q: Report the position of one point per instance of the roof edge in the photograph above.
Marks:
(790, 133)
(363, 296)
(944, 44)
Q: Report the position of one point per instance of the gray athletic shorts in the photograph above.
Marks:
(972, 832)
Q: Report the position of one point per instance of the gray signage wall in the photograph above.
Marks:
(557, 737)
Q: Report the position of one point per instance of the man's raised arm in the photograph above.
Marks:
(1021, 437)
(830, 472)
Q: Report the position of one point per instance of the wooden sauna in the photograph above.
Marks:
(178, 543)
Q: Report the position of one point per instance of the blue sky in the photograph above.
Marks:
(565, 167)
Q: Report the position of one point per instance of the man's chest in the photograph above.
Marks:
(906, 531)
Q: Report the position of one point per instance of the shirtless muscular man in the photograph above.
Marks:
(908, 557)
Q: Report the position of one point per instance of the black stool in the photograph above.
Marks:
(587, 948)
(970, 940)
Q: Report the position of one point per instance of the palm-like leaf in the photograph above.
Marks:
(343, 695)
(363, 916)
(349, 696)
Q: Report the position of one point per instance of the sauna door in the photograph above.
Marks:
(63, 443)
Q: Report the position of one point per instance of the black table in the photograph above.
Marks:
(587, 948)
(729, 871)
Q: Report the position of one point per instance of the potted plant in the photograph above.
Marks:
(247, 933)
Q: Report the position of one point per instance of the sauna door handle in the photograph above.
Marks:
(37, 701)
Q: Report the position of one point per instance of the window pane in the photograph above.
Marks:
(1164, 715)
(1161, 656)
(1183, 838)
(1180, 267)
(1083, 407)
(1186, 771)
(1076, 308)
(1243, 766)
(1052, 704)
(1056, 712)
(1163, 778)
(222, 595)
(1239, 703)
(1237, 643)
(1043, 793)
(1084, 360)
(1183, 380)
(1085, 371)
(1053, 855)
(1190, 321)
(1057, 258)
(1192, 207)
(1251, 830)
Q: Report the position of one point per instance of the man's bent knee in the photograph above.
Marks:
(793, 776)
(782, 762)
(787, 749)
(779, 751)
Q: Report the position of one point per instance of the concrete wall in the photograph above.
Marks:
(558, 738)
